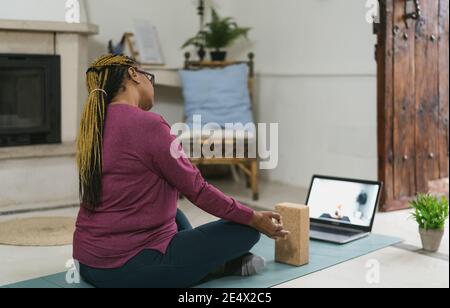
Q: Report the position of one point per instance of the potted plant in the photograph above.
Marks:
(431, 214)
(217, 35)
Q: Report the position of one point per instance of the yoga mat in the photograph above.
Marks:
(323, 255)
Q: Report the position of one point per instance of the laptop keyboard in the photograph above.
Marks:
(334, 231)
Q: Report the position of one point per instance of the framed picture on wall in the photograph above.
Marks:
(75, 11)
(146, 42)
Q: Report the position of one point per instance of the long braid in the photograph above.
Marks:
(104, 80)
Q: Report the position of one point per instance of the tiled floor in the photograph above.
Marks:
(400, 266)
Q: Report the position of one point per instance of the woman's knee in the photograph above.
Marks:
(254, 236)
(231, 234)
(249, 233)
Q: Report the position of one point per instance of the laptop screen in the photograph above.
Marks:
(344, 201)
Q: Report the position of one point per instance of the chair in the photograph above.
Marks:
(248, 165)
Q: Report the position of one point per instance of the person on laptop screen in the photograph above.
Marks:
(337, 215)
(345, 202)
(342, 210)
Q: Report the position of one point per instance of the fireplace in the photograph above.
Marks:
(30, 99)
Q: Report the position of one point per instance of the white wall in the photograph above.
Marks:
(306, 36)
(316, 73)
(317, 78)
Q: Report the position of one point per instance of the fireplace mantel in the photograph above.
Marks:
(48, 26)
(47, 174)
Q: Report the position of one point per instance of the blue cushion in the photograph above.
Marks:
(218, 95)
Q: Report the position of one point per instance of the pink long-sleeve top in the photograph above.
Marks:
(141, 181)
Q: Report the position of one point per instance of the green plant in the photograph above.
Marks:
(219, 33)
(430, 212)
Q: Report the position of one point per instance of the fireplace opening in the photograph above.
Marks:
(30, 99)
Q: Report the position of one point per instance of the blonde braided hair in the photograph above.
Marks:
(104, 80)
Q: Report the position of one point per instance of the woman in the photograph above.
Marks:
(129, 232)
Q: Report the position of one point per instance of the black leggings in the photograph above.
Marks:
(191, 256)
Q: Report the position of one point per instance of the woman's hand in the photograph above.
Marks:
(270, 224)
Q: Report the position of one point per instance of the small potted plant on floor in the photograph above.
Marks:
(431, 214)
(217, 35)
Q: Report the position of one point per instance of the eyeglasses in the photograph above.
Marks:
(150, 76)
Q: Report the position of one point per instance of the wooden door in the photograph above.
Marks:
(412, 57)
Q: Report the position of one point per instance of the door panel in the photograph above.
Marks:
(412, 56)
(385, 88)
(427, 95)
(443, 89)
(403, 104)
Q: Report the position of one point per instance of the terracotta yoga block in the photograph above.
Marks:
(295, 249)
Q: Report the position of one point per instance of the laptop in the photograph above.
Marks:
(342, 210)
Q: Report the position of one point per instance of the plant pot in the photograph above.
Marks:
(201, 53)
(218, 55)
(431, 239)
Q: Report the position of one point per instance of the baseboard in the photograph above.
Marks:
(38, 207)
